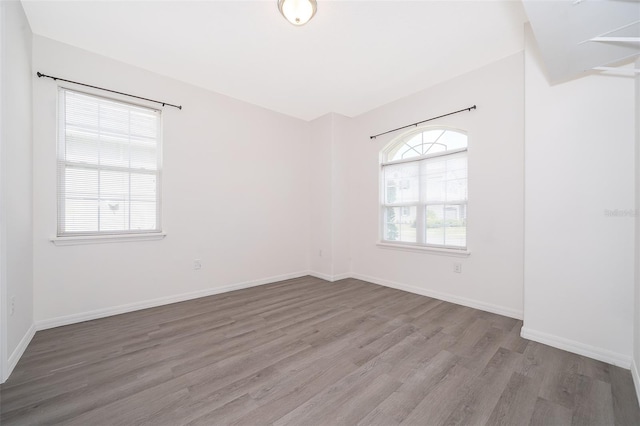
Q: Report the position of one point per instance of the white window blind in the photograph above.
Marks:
(424, 189)
(108, 166)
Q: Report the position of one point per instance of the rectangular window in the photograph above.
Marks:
(109, 160)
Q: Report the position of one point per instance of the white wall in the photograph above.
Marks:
(636, 337)
(579, 262)
(329, 220)
(15, 183)
(320, 196)
(235, 186)
(491, 277)
(341, 194)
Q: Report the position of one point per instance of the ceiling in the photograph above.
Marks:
(353, 56)
(569, 34)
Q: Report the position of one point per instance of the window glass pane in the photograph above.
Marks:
(114, 215)
(401, 183)
(114, 185)
(143, 215)
(433, 135)
(434, 179)
(114, 118)
(425, 143)
(143, 157)
(81, 110)
(82, 146)
(453, 140)
(400, 224)
(446, 225)
(81, 183)
(81, 215)
(413, 147)
(456, 225)
(143, 187)
(456, 179)
(144, 124)
(435, 225)
(457, 167)
(432, 142)
(444, 179)
(457, 190)
(114, 151)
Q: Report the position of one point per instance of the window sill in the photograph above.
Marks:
(103, 239)
(422, 249)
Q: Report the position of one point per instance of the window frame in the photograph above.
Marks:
(421, 205)
(82, 237)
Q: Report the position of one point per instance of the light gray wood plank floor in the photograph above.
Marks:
(308, 352)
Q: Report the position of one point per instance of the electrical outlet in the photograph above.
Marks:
(12, 305)
(457, 267)
(197, 264)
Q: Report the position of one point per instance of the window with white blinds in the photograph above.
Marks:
(424, 189)
(108, 166)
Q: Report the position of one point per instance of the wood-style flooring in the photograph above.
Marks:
(309, 352)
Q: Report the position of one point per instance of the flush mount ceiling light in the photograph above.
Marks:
(298, 12)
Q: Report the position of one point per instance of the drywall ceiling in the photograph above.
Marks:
(352, 57)
(564, 31)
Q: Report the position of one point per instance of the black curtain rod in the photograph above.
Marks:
(423, 121)
(108, 90)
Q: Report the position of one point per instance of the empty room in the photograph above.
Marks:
(319, 212)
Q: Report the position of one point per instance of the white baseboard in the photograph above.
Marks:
(636, 378)
(339, 277)
(483, 306)
(327, 277)
(322, 276)
(19, 350)
(135, 306)
(600, 354)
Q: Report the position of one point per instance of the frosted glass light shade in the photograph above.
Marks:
(298, 12)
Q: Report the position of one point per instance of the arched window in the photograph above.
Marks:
(424, 189)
